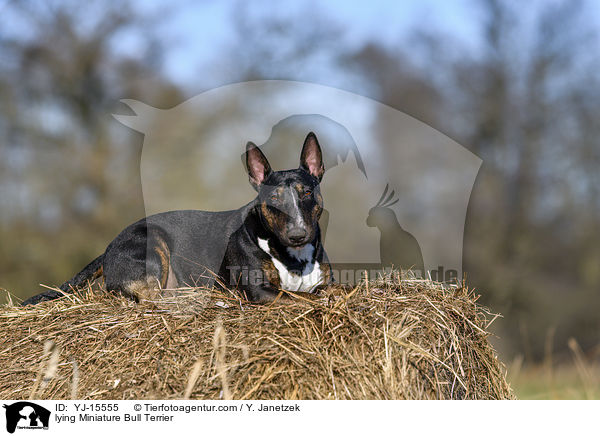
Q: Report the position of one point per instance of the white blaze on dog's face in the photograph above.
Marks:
(290, 201)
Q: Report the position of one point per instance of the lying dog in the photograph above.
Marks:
(272, 243)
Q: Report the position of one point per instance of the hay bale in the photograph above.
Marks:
(386, 339)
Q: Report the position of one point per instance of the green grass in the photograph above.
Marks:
(565, 382)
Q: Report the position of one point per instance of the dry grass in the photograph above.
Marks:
(386, 339)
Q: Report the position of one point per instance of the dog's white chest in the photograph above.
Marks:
(299, 281)
(296, 281)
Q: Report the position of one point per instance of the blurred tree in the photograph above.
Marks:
(515, 106)
(524, 101)
(70, 178)
(524, 97)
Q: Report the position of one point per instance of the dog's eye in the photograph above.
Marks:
(274, 197)
(306, 194)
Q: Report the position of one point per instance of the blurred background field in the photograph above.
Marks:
(577, 378)
(562, 383)
(515, 84)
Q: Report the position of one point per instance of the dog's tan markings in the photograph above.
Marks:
(172, 282)
(280, 220)
(98, 273)
(275, 220)
(266, 213)
(162, 249)
(325, 274)
(148, 289)
(316, 211)
(271, 273)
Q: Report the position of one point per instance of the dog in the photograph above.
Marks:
(271, 244)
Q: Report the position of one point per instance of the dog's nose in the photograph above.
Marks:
(297, 234)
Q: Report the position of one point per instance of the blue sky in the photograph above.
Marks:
(199, 35)
(200, 29)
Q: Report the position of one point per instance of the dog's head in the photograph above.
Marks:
(290, 201)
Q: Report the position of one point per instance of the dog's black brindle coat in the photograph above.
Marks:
(274, 234)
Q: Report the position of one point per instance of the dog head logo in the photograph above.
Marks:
(24, 414)
(191, 160)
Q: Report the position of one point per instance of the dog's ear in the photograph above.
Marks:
(257, 165)
(311, 158)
